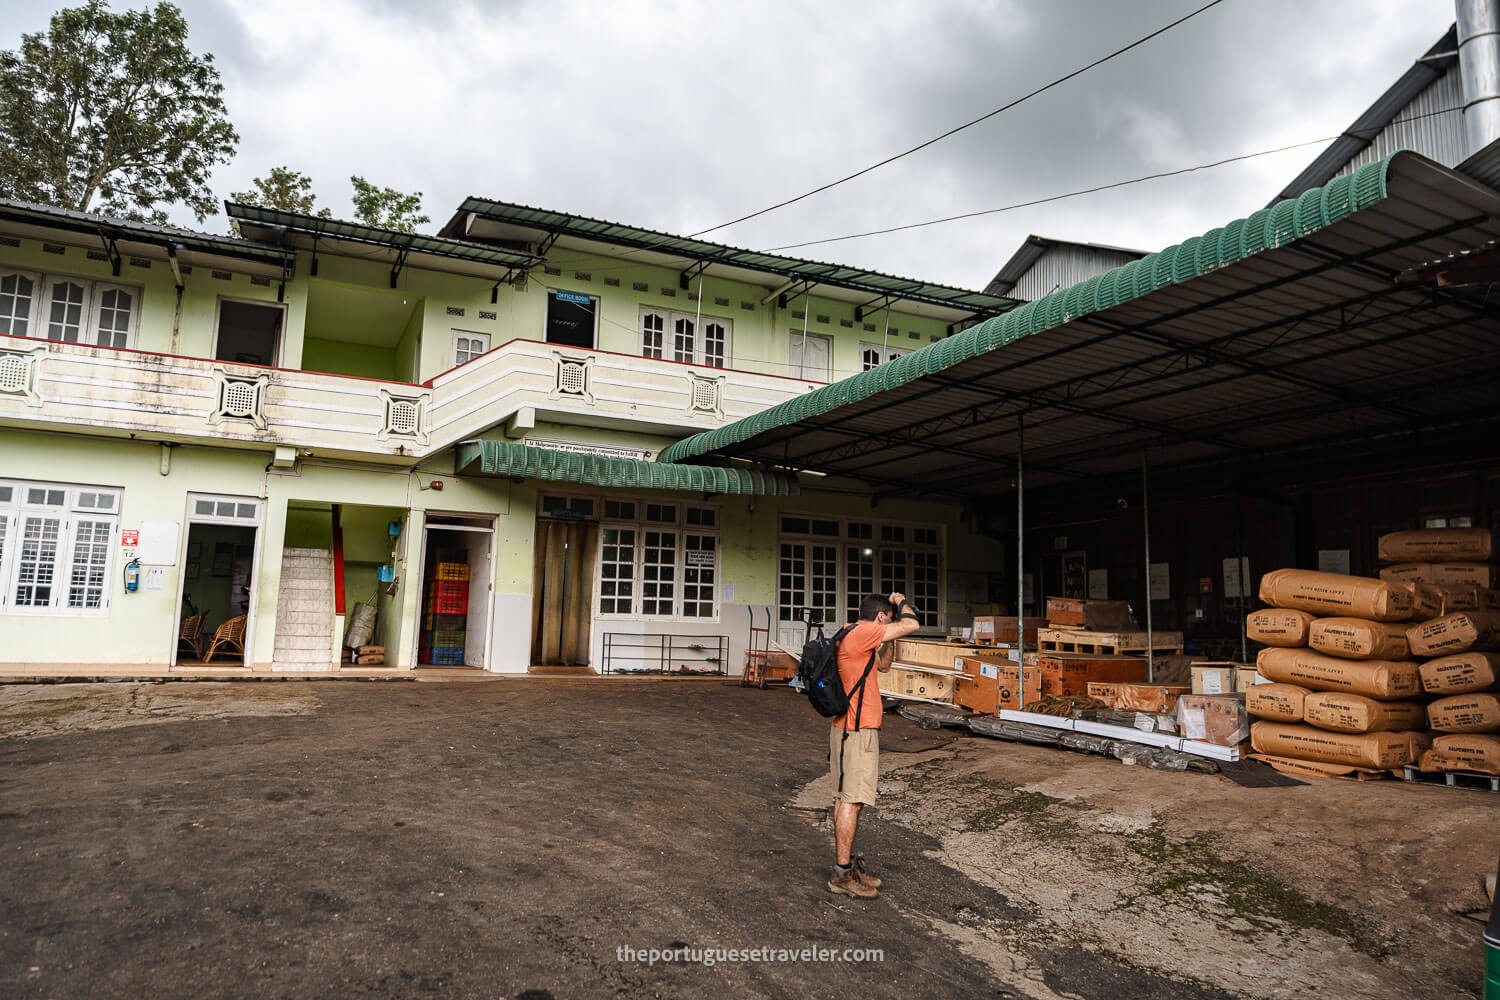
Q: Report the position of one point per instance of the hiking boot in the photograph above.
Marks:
(850, 885)
(857, 867)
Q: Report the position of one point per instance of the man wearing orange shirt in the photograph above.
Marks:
(854, 739)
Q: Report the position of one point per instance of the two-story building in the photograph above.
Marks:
(226, 444)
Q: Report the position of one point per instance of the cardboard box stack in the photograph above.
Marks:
(1343, 693)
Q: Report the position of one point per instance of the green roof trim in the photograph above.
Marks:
(1267, 229)
(510, 458)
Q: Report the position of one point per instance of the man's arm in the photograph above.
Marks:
(884, 654)
(906, 619)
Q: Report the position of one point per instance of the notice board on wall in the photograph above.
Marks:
(158, 545)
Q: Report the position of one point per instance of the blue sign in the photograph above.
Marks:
(574, 297)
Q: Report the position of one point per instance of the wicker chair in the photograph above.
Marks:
(190, 634)
(230, 636)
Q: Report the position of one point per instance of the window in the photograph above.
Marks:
(819, 361)
(571, 318)
(692, 342)
(833, 578)
(664, 565)
(67, 309)
(56, 547)
(17, 292)
(871, 355)
(468, 346)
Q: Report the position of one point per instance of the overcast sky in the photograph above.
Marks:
(679, 116)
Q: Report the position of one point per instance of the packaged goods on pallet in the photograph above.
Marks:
(1098, 616)
(1438, 545)
(1358, 639)
(1277, 702)
(1455, 633)
(1373, 750)
(1078, 640)
(1221, 676)
(1219, 719)
(930, 653)
(1002, 628)
(1339, 712)
(918, 684)
(1278, 627)
(1382, 679)
(1461, 673)
(1468, 752)
(1478, 712)
(1137, 697)
(989, 685)
(1335, 594)
(1449, 574)
(1070, 673)
(1246, 678)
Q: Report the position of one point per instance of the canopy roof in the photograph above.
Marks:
(270, 225)
(1302, 323)
(510, 458)
(487, 219)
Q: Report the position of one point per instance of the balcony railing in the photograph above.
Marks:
(57, 385)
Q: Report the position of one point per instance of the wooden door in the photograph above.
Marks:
(562, 592)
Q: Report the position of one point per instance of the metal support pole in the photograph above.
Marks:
(698, 322)
(1240, 573)
(1146, 526)
(1020, 563)
(806, 319)
(885, 338)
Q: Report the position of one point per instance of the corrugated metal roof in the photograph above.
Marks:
(1270, 331)
(510, 458)
(1035, 247)
(694, 251)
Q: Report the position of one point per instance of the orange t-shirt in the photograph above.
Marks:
(854, 655)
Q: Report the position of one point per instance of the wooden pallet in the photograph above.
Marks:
(1077, 640)
(1452, 779)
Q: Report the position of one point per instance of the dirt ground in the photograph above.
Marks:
(508, 839)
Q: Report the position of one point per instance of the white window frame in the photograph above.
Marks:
(43, 282)
(69, 514)
(483, 337)
(666, 349)
(38, 287)
(887, 354)
(844, 544)
(640, 525)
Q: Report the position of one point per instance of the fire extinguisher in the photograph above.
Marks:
(132, 576)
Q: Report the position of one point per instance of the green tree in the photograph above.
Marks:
(114, 108)
(283, 189)
(387, 207)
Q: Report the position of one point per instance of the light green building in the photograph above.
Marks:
(258, 434)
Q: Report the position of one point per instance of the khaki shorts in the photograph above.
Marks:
(861, 764)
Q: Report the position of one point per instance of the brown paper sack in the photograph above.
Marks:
(1357, 639)
(1426, 600)
(1464, 753)
(1448, 574)
(1277, 702)
(1316, 768)
(1335, 594)
(1376, 750)
(1278, 627)
(1465, 713)
(1455, 633)
(1383, 679)
(1460, 673)
(1354, 713)
(1438, 545)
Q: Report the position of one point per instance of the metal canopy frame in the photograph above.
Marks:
(704, 254)
(1320, 332)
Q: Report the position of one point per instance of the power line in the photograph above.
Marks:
(1091, 190)
(954, 131)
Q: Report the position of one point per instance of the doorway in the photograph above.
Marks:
(457, 569)
(571, 318)
(216, 602)
(562, 589)
(249, 333)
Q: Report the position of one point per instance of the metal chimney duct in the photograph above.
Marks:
(1479, 65)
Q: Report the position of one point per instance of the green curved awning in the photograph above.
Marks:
(1268, 229)
(511, 458)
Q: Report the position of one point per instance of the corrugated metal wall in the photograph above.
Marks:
(1438, 136)
(1062, 267)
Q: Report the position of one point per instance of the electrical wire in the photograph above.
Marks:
(954, 131)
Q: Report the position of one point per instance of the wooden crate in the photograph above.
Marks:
(935, 653)
(918, 683)
(1077, 640)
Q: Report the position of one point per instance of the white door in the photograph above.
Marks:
(819, 362)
